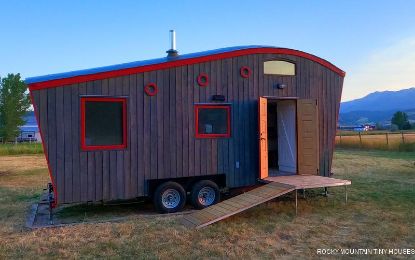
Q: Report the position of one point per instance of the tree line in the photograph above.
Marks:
(14, 103)
(401, 121)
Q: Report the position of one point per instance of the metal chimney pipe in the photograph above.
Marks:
(172, 52)
(173, 39)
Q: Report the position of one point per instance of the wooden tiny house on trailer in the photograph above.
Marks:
(183, 123)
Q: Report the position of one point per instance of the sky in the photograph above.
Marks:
(373, 41)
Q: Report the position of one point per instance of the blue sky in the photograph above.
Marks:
(373, 41)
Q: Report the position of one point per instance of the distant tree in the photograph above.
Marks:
(14, 102)
(401, 120)
(407, 126)
(379, 126)
(394, 128)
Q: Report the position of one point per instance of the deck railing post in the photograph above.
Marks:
(345, 189)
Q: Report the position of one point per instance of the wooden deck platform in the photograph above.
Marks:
(308, 181)
(236, 204)
(275, 187)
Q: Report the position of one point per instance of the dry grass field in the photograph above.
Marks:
(377, 141)
(380, 214)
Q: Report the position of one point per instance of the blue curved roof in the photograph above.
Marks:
(134, 64)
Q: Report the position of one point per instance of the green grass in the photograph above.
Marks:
(21, 148)
(380, 214)
(407, 147)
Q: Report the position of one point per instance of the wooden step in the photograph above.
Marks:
(235, 205)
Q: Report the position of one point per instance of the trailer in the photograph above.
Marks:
(185, 126)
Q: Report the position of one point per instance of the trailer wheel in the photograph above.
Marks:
(169, 197)
(204, 194)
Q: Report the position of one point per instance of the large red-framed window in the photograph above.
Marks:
(212, 120)
(103, 123)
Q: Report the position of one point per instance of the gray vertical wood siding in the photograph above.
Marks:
(161, 129)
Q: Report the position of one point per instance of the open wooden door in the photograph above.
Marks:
(307, 136)
(263, 137)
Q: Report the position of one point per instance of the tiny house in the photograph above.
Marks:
(187, 125)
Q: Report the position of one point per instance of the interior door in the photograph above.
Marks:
(308, 136)
(287, 136)
(263, 137)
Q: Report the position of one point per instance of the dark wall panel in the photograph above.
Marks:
(161, 128)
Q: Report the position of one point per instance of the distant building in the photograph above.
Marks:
(370, 127)
(357, 128)
(29, 132)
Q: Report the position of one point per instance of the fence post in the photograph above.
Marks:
(360, 139)
(387, 140)
(340, 135)
(403, 139)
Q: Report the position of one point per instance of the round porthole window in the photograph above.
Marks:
(203, 80)
(151, 89)
(245, 72)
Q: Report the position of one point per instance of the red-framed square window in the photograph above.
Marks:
(212, 120)
(103, 123)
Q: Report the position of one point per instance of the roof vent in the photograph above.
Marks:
(172, 52)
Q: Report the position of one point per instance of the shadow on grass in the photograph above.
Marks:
(377, 153)
(96, 212)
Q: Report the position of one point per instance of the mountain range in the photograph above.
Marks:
(378, 107)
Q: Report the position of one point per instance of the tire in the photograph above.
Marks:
(169, 197)
(204, 194)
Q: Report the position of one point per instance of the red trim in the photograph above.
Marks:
(203, 79)
(55, 192)
(212, 106)
(245, 71)
(148, 91)
(86, 147)
(176, 63)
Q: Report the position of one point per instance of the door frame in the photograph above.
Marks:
(276, 99)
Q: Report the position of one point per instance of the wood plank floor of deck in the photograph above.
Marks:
(236, 204)
(308, 181)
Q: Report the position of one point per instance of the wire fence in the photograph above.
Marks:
(402, 141)
(19, 140)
